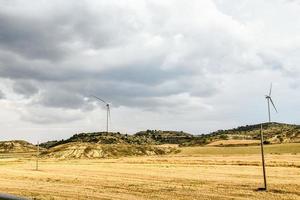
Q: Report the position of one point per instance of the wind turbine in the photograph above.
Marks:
(107, 110)
(269, 99)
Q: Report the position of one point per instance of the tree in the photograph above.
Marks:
(223, 137)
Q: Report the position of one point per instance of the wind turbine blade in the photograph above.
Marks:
(273, 104)
(99, 99)
(270, 90)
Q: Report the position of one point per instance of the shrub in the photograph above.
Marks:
(223, 137)
(267, 142)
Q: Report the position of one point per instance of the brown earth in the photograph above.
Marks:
(93, 150)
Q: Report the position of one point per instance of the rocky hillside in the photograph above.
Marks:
(94, 150)
(16, 146)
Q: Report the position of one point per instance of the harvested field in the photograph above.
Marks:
(191, 174)
(234, 142)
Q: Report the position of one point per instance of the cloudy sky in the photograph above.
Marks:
(196, 66)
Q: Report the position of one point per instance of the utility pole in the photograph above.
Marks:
(263, 157)
(269, 100)
(37, 157)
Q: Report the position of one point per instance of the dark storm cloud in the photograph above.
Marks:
(61, 98)
(189, 65)
(30, 37)
(25, 88)
(71, 94)
(53, 35)
(56, 56)
(63, 87)
(144, 73)
(44, 53)
(2, 96)
(15, 68)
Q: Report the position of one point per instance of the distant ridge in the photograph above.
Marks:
(153, 142)
(149, 137)
(273, 133)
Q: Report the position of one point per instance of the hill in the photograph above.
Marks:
(93, 150)
(273, 133)
(149, 137)
(149, 142)
(16, 146)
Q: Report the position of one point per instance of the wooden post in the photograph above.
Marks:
(37, 157)
(263, 157)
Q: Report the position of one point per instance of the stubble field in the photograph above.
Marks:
(194, 173)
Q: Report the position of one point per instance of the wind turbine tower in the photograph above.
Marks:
(107, 111)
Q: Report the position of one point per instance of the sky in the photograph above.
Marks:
(194, 66)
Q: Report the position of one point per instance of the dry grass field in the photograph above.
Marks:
(194, 173)
(234, 142)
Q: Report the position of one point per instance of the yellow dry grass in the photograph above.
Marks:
(190, 174)
(233, 142)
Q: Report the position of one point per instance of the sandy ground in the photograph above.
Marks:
(180, 176)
